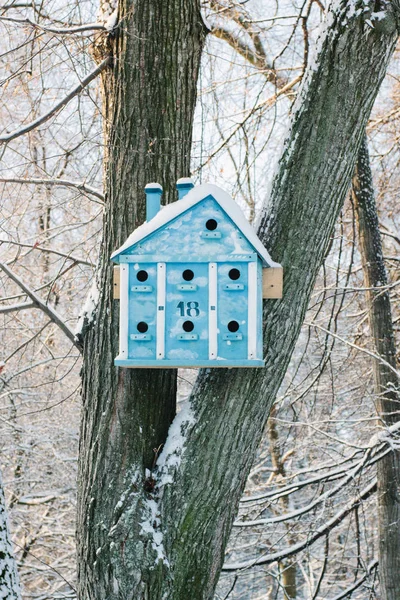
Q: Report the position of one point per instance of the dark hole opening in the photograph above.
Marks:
(188, 274)
(233, 326)
(142, 327)
(142, 275)
(211, 224)
(188, 326)
(234, 274)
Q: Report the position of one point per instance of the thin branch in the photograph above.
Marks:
(48, 310)
(346, 593)
(254, 58)
(376, 356)
(320, 532)
(74, 92)
(82, 187)
(58, 30)
(74, 259)
(14, 307)
(313, 504)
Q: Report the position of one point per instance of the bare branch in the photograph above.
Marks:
(255, 58)
(320, 532)
(14, 307)
(348, 591)
(74, 259)
(48, 310)
(82, 187)
(365, 350)
(74, 92)
(57, 30)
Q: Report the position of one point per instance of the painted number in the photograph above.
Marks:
(190, 310)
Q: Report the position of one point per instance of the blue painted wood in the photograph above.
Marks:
(186, 308)
(142, 310)
(232, 308)
(183, 186)
(153, 199)
(184, 258)
(201, 235)
(183, 236)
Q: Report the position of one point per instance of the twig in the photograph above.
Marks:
(13, 307)
(46, 308)
(58, 30)
(320, 532)
(74, 92)
(82, 187)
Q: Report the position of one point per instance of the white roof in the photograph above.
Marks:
(196, 195)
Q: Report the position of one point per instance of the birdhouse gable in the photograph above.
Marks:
(205, 225)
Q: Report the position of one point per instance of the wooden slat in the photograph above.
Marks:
(272, 282)
(116, 283)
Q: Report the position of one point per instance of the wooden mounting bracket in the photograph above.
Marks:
(272, 284)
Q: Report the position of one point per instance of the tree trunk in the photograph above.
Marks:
(9, 581)
(230, 407)
(149, 95)
(386, 381)
(168, 543)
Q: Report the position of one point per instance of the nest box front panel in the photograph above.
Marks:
(233, 299)
(186, 312)
(203, 233)
(142, 311)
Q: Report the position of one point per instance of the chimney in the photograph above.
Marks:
(184, 185)
(153, 193)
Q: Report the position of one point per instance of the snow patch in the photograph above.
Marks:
(151, 527)
(174, 447)
(88, 311)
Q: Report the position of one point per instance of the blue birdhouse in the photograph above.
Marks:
(191, 283)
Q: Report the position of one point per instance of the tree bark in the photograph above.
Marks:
(168, 543)
(386, 381)
(9, 581)
(230, 407)
(149, 96)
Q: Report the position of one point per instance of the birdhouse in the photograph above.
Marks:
(191, 283)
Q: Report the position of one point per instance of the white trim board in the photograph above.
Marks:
(160, 314)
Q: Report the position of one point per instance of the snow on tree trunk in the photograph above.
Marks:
(386, 381)
(9, 581)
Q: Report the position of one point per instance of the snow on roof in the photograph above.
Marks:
(185, 181)
(196, 195)
(153, 186)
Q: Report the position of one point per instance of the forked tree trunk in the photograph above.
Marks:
(9, 581)
(386, 380)
(168, 544)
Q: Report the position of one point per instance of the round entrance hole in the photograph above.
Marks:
(142, 275)
(187, 326)
(188, 274)
(233, 326)
(234, 274)
(142, 327)
(211, 224)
